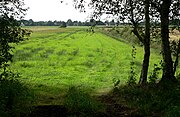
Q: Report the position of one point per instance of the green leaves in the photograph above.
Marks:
(132, 76)
(10, 31)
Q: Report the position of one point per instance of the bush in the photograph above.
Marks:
(15, 98)
(132, 75)
(63, 25)
(151, 101)
(173, 111)
(154, 75)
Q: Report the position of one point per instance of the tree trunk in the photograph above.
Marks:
(177, 57)
(145, 65)
(166, 52)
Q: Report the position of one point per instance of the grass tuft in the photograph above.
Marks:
(80, 103)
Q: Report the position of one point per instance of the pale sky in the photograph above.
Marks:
(45, 10)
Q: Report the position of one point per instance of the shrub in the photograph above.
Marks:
(154, 75)
(63, 25)
(151, 101)
(173, 112)
(15, 97)
(132, 75)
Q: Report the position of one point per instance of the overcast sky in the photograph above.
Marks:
(44, 10)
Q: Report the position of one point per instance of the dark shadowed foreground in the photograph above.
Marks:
(123, 101)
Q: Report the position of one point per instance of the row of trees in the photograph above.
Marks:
(69, 22)
(150, 12)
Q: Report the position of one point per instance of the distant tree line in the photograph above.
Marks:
(69, 22)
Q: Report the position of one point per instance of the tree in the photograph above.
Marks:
(50, 23)
(79, 23)
(166, 52)
(167, 9)
(10, 31)
(144, 72)
(100, 23)
(75, 23)
(63, 25)
(133, 11)
(112, 22)
(140, 13)
(136, 11)
(31, 22)
(107, 23)
(69, 22)
(93, 22)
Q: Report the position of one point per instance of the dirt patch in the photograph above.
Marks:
(48, 111)
(116, 109)
(113, 108)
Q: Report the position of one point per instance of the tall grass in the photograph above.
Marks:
(54, 59)
(81, 104)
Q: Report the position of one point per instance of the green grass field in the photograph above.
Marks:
(54, 59)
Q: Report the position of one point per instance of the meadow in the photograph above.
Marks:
(55, 59)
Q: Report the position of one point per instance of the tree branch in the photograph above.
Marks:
(155, 6)
(135, 30)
